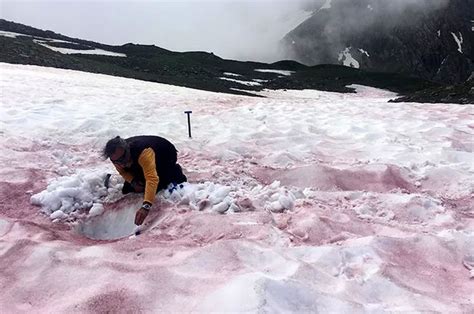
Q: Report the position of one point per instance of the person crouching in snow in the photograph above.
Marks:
(147, 163)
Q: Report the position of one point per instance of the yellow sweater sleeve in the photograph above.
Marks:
(125, 174)
(147, 161)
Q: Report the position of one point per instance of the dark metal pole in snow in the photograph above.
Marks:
(189, 122)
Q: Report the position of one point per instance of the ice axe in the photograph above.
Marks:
(189, 122)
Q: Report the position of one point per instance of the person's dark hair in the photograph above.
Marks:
(112, 145)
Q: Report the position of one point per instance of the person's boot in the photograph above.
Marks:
(180, 177)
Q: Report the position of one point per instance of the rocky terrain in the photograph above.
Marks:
(431, 39)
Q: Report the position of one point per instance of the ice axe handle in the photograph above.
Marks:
(189, 122)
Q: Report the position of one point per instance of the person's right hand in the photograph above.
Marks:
(140, 216)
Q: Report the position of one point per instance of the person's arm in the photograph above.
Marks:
(125, 174)
(147, 162)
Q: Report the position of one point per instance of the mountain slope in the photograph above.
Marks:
(432, 39)
(26, 45)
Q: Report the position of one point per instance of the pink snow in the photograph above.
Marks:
(369, 231)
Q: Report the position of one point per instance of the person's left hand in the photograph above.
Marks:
(140, 216)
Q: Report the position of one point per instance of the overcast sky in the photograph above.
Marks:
(236, 29)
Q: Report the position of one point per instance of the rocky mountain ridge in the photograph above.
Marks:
(432, 39)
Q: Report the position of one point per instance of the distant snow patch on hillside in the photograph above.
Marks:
(347, 59)
(364, 52)
(241, 82)
(43, 42)
(43, 39)
(282, 72)
(80, 51)
(231, 74)
(51, 40)
(459, 41)
(10, 34)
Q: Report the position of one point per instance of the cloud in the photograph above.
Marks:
(237, 29)
(234, 29)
